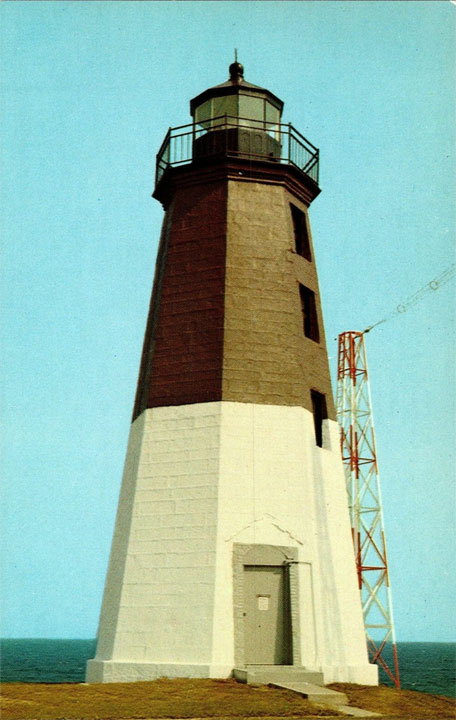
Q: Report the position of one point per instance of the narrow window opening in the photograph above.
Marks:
(319, 414)
(302, 243)
(309, 312)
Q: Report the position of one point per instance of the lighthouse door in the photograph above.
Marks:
(267, 623)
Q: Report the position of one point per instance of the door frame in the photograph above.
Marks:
(271, 555)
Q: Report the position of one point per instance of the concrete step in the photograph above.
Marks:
(357, 712)
(314, 693)
(305, 682)
(264, 674)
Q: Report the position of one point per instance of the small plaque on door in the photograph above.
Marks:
(263, 602)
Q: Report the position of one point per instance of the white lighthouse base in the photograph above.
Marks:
(215, 498)
(105, 671)
(99, 671)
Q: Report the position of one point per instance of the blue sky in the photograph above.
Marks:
(88, 91)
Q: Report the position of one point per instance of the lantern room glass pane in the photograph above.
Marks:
(272, 114)
(272, 120)
(203, 113)
(222, 106)
(251, 107)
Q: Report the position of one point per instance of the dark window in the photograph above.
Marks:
(302, 243)
(309, 312)
(320, 413)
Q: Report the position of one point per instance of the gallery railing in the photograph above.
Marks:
(237, 137)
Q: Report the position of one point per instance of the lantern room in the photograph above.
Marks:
(236, 100)
(235, 119)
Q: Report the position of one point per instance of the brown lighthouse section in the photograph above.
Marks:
(232, 547)
(235, 312)
(183, 349)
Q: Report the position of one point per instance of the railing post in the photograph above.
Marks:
(289, 142)
(225, 132)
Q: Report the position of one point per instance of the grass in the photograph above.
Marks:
(216, 699)
(398, 703)
(164, 698)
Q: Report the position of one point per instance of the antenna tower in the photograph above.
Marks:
(357, 437)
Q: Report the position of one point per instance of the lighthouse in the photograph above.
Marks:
(232, 547)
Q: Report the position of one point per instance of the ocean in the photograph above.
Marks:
(428, 667)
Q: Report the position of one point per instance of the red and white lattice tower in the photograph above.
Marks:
(354, 413)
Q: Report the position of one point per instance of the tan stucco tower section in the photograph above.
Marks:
(266, 357)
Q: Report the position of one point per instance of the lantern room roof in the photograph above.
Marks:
(233, 86)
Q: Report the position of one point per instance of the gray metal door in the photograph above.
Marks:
(267, 624)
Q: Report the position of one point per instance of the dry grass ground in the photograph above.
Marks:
(159, 699)
(216, 699)
(399, 703)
